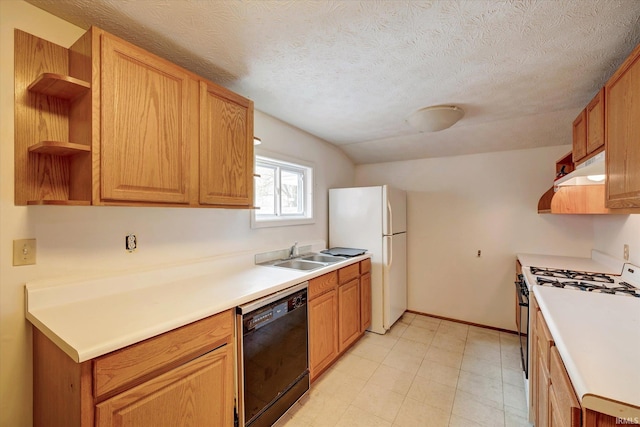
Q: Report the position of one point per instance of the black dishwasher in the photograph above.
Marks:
(273, 354)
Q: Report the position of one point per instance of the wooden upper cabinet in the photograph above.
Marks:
(595, 122)
(146, 125)
(622, 140)
(226, 148)
(580, 137)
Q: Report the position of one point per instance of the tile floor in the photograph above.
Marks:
(423, 372)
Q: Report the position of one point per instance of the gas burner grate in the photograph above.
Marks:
(623, 288)
(571, 274)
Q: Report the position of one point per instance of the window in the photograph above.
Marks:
(283, 193)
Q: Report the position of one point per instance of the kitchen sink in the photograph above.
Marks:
(322, 258)
(298, 264)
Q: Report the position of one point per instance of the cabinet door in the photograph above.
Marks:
(226, 148)
(323, 332)
(348, 313)
(542, 393)
(563, 403)
(595, 122)
(145, 144)
(580, 137)
(622, 115)
(365, 301)
(198, 393)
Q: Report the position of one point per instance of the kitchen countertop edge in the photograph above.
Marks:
(60, 322)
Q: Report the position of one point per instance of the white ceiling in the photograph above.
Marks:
(351, 71)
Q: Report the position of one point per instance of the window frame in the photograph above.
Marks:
(285, 163)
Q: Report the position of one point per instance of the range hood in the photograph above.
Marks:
(590, 172)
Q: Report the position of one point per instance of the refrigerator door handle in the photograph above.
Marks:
(389, 254)
(389, 229)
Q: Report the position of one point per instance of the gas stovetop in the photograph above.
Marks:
(626, 284)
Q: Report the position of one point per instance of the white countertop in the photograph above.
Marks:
(87, 318)
(598, 338)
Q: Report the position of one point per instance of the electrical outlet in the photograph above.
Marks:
(24, 252)
(130, 242)
(479, 253)
(626, 252)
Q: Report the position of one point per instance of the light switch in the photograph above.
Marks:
(24, 252)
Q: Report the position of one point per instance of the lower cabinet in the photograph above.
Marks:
(554, 401)
(323, 331)
(339, 313)
(348, 313)
(194, 394)
(183, 377)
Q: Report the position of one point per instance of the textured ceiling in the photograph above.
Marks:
(350, 71)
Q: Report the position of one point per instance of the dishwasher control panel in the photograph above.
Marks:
(269, 313)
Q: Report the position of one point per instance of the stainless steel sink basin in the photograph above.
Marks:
(298, 264)
(323, 258)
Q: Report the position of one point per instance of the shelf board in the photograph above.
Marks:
(58, 85)
(59, 203)
(59, 148)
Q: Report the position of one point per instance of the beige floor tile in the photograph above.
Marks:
(425, 322)
(410, 347)
(444, 357)
(321, 411)
(509, 339)
(488, 390)
(370, 351)
(356, 417)
(484, 331)
(387, 340)
(470, 407)
(510, 411)
(515, 397)
(408, 317)
(392, 379)
(416, 333)
(486, 351)
(459, 330)
(397, 329)
(439, 373)
(402, 361)
(413, 413)
(379, 401)
(481, 367)
(340, 385)
(448, 342)
(356, 366)
(511, 359)
(435, 394)
(513, 376)
(458, 421)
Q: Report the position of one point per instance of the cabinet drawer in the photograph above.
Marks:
(322, 284)
(139, 362)
(568, 407)
(365, 266)
(348, 273)
(545, 340)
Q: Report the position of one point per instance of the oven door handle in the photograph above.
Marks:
(520, 290)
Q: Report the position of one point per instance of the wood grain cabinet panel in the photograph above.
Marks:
(198, 393)
(322, 284)
(348, 313)
(145, 131)
(365, 301)
(622, 140)
(564, 408)
(323, 332)
(580, 137)
(226, 148)
(595, 122)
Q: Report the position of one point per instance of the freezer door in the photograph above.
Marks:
(394, 210)
(355, 217)
(394, 280)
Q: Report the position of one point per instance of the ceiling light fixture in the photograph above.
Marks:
(433, 119)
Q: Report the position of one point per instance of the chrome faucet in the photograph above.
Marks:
(293, 251)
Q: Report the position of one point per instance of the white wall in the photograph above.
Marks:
(612, 232)
(72, 240)
(488, 202)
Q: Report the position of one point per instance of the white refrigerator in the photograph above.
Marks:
(375, 218)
